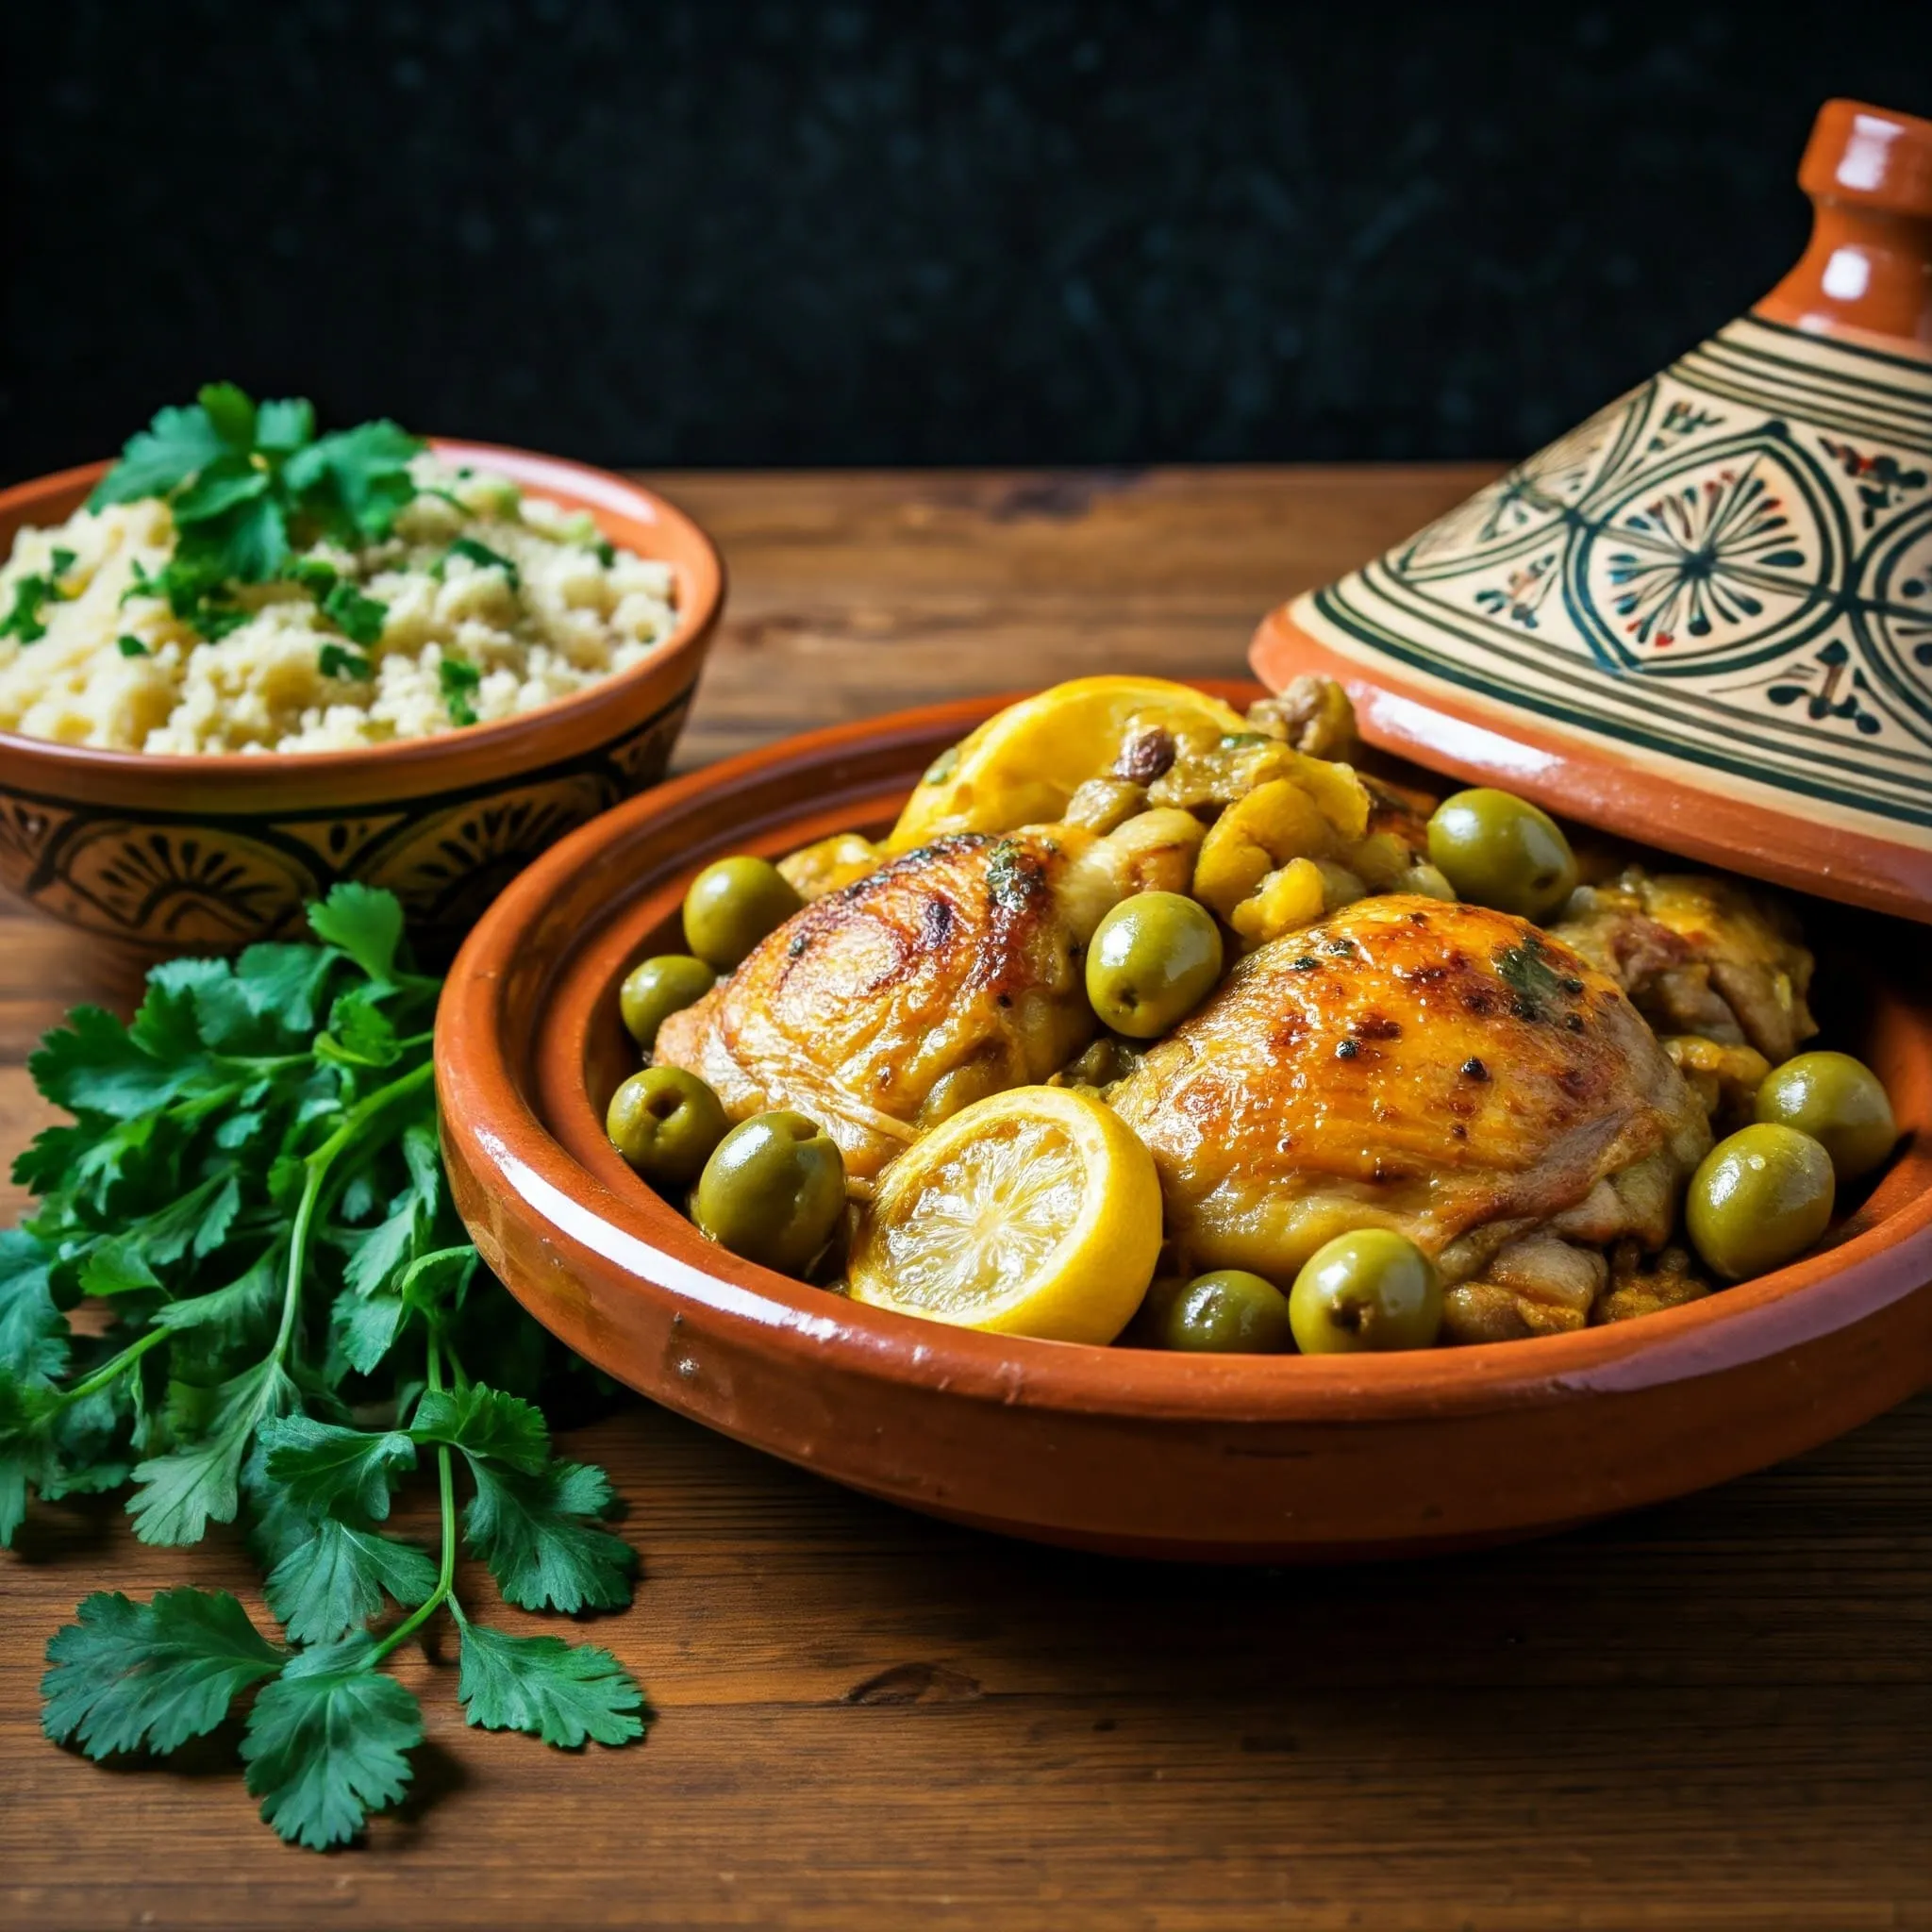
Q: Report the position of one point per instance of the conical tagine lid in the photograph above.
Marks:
(1704, 618)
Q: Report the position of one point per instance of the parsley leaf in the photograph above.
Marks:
(561, 1692)
(176, 1495)
(126, 1674)
(236, 1311)
(231, 412)
(327, 1743)
(540, 1540)
(366, 1327)
(226, 484)
(355, 480)
(482, 556)
(26, 1449)
(33, 1331)
(363, 923)
(325, 1469)
(357, 617)
(485, 1422)
(285, 427)
(93, 1065)
(177, 446)
(334, 1579)
(131, 646)
(339, 663)
(243, 484)
(459, 681)
(31, 597)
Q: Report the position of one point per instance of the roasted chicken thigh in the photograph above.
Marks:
(953, 972)
(1440, 1069)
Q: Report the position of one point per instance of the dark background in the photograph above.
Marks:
(869, 233)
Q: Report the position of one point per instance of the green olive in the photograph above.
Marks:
(1499, 850)
(1757, 1199)
(732, 904)
(665, 1122)
(1372, 1288)
(656, 989)
(773, 1191)
(1840, 1102)
(1229, 1312)
(1154, 959)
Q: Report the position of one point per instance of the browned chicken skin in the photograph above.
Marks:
(950, 973)
(1440, 1069)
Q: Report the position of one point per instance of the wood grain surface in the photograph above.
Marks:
(1713, 1714)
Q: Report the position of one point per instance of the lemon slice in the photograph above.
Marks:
(1022, 765)
(1036, 1211)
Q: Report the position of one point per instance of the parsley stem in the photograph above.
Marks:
(298, 1252)
(113, 1368)
(355, 1124)
(447, 1574)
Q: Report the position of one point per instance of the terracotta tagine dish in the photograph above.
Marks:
(1704, 617)
(162, 854)
(1245, 1458)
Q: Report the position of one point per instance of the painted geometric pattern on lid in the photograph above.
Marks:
(1730, 567)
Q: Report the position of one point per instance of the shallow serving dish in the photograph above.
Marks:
(172, 854)
(1257, 1458)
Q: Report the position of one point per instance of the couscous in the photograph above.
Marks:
(444, 597)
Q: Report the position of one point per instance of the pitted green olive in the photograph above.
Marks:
(1227, 1312)
(1499, 850)
(1840, 1102)
(665, 1122)
(773, 1191)
(656, 989)
(732, 904)
(1758, 1199)
(1154, 959)
(1370, 1290)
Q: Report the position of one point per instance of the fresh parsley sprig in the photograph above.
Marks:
(251, 1191)
(248, 484)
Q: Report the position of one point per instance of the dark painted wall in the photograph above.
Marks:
(1059, 232)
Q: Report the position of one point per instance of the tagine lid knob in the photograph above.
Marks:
(1703, 617)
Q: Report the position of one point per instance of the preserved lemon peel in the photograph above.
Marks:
(1033, 1212)
(1294, 847)
(1023, 766)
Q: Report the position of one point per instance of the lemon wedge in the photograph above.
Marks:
(1022, 766)
(1036, 1211)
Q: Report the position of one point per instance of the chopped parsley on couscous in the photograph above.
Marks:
(238, 584)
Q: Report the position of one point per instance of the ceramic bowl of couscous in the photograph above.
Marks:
(247, 661)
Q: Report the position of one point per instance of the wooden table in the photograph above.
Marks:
(1717, 1713)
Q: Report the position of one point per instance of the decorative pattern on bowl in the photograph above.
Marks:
(170, 854)
(1703, 617)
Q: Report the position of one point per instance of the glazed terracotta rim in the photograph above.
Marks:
(701, 596)
(520, 1161)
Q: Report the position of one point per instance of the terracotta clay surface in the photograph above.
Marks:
(1703, 617)
(1249, 1458)
(1867, 271)
(1704, 1716)
(163, 853)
